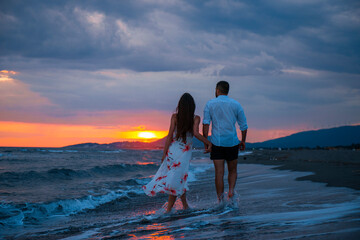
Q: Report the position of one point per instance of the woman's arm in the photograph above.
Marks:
(199, 136)
(169, 136)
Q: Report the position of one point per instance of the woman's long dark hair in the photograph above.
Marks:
(185, 116)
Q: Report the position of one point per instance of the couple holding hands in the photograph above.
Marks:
(222, 112)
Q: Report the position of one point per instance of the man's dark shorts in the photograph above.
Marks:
(227, 153)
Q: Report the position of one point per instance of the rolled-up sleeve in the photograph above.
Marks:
(241, 119)
(207, 117)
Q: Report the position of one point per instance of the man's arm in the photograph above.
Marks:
(243, 140)
(241, 119)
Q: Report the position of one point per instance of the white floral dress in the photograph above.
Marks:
(171, 177)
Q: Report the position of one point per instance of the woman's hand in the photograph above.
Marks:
(208, 148)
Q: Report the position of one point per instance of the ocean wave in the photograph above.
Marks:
(68, 174)
(30, 213)
(112, 151)
(195, 169)
(53, 150)
(242, 153)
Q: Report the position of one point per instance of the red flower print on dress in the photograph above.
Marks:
(161, 192)
(176, 164)
(173, 191)
(187, 148)
(144, 187)
(168, 167)
(152, 193)
(161, 177)
(185, 176)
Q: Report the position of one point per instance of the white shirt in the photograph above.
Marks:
(224, 112)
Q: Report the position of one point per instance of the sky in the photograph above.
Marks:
(104, 71)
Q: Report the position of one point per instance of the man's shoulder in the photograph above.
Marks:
(211, 101)
(235, 105)
(234, 101)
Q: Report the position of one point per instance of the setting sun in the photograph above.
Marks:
(143, 136)
(147, 135)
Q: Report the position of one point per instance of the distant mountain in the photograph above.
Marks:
(113, 146)
(340, 136)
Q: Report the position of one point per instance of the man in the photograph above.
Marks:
(224, 112)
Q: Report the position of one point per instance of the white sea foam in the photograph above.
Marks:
(244, 153)
(71, 151)
(55, 151)
(60, 208)
(113, 151)
(197, 168)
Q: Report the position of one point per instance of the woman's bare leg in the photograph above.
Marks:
(184, 201)
(170, 203)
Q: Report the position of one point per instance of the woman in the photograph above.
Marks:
(171, 177)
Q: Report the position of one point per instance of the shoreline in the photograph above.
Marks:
(336, 168)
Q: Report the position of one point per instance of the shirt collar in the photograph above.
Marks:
(222, 96)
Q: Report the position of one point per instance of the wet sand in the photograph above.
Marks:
(338, 168)
(269, 204)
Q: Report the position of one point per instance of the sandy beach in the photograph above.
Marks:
(338, 168)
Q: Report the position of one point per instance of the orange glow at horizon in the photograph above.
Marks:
(19, 134)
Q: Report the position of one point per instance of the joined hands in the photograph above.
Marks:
(207, 148)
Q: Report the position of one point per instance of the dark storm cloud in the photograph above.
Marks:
(285, 59)
(92, 34)
(321, 31)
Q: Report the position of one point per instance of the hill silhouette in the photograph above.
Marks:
(339, 136)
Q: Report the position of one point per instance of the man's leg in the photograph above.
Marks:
(219, 177)
(232, 168)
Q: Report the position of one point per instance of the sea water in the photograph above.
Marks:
(84, 194)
